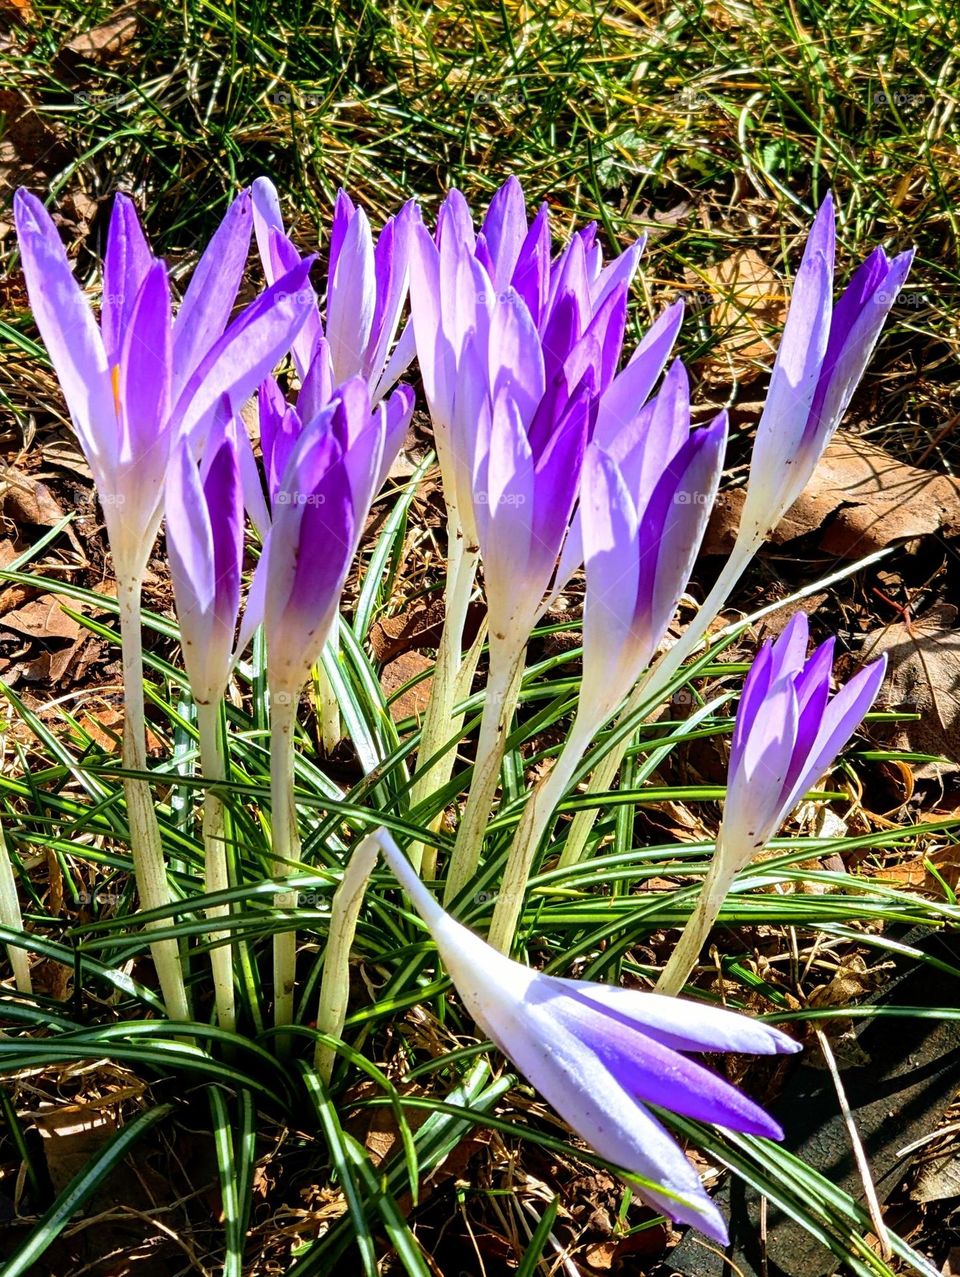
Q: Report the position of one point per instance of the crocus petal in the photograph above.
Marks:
(684, 1025)
(69, 332)
(391, 257)
(842, 717)
(672, 527)
(790, 649)
(351, 299)
(223, 494)
(505, 230)
(630, 389)
(212, 291)
(793, 384)
(132, 509)
(397, 412)
(609, 523)
(245, 354)
(192, 570)
(125, 264)
(754, 806)
(278, 256)
(843, 370)
(531, 274)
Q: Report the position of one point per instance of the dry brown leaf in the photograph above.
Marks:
(72, 1135)
(923, 677)
(750, 304)
(413, 702)
(27, 500)
(861, 498)
(107, 40)
(43, 619)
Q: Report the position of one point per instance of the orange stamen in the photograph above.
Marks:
(115, 383)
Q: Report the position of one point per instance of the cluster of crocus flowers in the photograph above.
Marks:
(600, 1053)
(644, 506)
(788, 731)
(821, 356)
(519, 353)
(556, 454)
(136, 384)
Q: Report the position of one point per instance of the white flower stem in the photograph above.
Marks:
(285, 846)
(145, 842)
(503, 689)
(534, 823)
(439, 722)
(327, 709)
(716, 884)
(11, 917)
(216, 876)
(335, 984)
(657, 678)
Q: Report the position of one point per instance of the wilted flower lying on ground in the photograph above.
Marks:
(600, 1054)
(787, 732)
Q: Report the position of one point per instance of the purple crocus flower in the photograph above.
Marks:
(204, 518)
(497, 320)
(644, 508)
(366, 291)
(143, 379)
(600, 1054)
(787, 732)
(332, 472)
(823, 352)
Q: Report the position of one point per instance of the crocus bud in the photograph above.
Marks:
(332, 474)
(823, 352)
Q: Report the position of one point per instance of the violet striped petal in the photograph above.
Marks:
(672, 526)
(351, 299)
(604, 1059)
(531, 273)
(247, 352)
(609, 524)
(841, 718)
(125, 264)
(754, 806)
(505, 229)
(70, 334)
(630, 389)
(212, 290)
